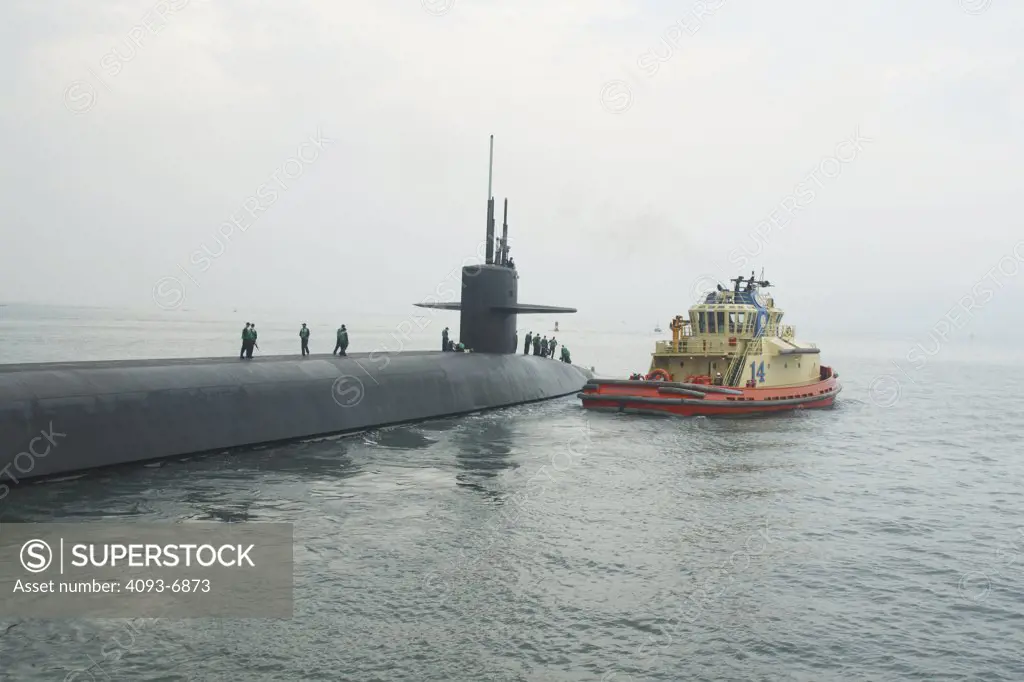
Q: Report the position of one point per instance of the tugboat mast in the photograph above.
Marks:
(751, 283)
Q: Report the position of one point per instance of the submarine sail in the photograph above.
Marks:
(490, 291)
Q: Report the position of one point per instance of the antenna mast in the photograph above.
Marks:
(504, 237)
(490, 207)
(490, 169)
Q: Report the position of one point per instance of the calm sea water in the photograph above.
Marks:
(880, 540)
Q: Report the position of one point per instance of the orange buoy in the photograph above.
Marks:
(659, 375)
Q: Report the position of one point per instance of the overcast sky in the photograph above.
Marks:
(641, 144)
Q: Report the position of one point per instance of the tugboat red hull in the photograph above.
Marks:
(688, 400)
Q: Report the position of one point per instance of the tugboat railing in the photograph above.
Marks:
(723, 343)
(713, 344)
(770, 329)
(783, 331)
(689, 345)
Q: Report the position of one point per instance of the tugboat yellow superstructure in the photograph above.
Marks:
(730, 355)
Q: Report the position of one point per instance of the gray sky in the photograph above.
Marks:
(640, 144)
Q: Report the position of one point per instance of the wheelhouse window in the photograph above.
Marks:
(737, 322)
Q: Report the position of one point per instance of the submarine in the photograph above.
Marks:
(60, 418)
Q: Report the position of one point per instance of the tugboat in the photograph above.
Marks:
(731, 356)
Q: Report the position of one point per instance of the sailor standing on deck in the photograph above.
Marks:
(529, 340)
(551, 347)
(252, 341)
(304, 335)
(342, 344)
(536, 345)
(444, 339)
(544, 347)
(337, 345)
(245, 341)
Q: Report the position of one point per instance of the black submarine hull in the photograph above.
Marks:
(60, 418)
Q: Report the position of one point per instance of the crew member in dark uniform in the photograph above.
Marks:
(337, 344)
(444, 339)
(544, 347)
(342, 340)
(252, 341)
(551, 347)
(536, 345)
(529, 341)
(304, 335)
(245, 341)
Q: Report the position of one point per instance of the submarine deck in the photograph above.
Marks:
(163, 362)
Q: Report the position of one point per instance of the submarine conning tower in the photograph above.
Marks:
(490, 291)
